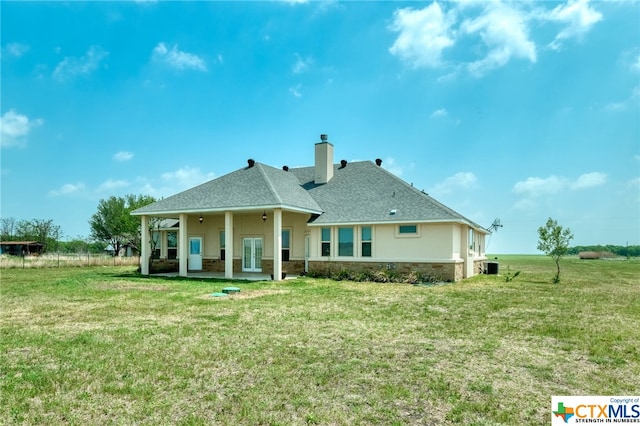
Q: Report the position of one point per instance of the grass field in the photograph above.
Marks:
(103, 345)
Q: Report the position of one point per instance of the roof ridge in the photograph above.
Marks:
(268, 181)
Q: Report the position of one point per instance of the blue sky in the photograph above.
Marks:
(513, 110)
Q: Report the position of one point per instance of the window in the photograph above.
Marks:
(222, 245)
(472, 242)
(172, 245)
(326, 242)
(345, 241)
(408, 229)
(155, 245)
(286, 234)
(366, 241)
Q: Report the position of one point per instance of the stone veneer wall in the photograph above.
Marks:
(443, 271)
(293, 267)
(440, 271)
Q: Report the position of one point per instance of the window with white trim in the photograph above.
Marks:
(222, 245)
(325, 242)
(345, 241)
(365, 241)
(156, 244)
(408, 229)
(286, 244)
(172, 245)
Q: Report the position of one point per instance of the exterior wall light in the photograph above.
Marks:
(264, 216)
(200, 219)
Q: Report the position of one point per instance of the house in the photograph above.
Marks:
(351, 216)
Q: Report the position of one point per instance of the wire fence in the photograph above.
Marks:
(63, 260)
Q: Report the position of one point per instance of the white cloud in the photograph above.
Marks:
(536, 186)
(178, 59)
(123, 156)
(295, 91)
(615, 106)
(392, 166)
(524, 204)
(15, 127)
(502, 26)
(439, 113)
(173, 182)
(301, 64)
(71, 67)
(67, 189)
(578, 17)
(110, 185)
(589, 180)
(186, 177)
(16, 49)
(424, 34)
(503, 29)
(459, 181)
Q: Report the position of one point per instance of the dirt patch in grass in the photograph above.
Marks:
(248, 294)
(129, 285)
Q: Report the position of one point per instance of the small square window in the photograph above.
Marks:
(408, 229)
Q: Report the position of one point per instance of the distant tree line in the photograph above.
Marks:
(624, 251)
(46, 232)
(111, 225)
(40, 230)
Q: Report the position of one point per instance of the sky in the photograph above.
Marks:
(517, 110)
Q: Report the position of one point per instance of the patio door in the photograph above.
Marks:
(252, 254)
(195, 253)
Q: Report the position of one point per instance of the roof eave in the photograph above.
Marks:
(173, 213)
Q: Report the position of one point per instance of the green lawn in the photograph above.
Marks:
(105, 346)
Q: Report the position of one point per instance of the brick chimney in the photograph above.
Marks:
(324, 161)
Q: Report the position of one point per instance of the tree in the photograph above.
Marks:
(7, 228)
(43, 231)
(554, 242)
(113, 223)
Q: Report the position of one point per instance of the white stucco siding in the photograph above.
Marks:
(432, 241)
(457, 232)
(297, 224)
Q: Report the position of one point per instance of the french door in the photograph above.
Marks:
(252, 254)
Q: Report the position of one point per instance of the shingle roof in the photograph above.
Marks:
(361, 192)
(260, 186)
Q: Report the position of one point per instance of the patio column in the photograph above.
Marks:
(467, 267)
(228, 244)
(277, 244)
(144, 242)
(183, 246)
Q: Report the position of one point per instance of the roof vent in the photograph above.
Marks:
(285, 168)
(324, 137)
(378, 162)
(392, 212)
(343, 164)
(251, 162)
